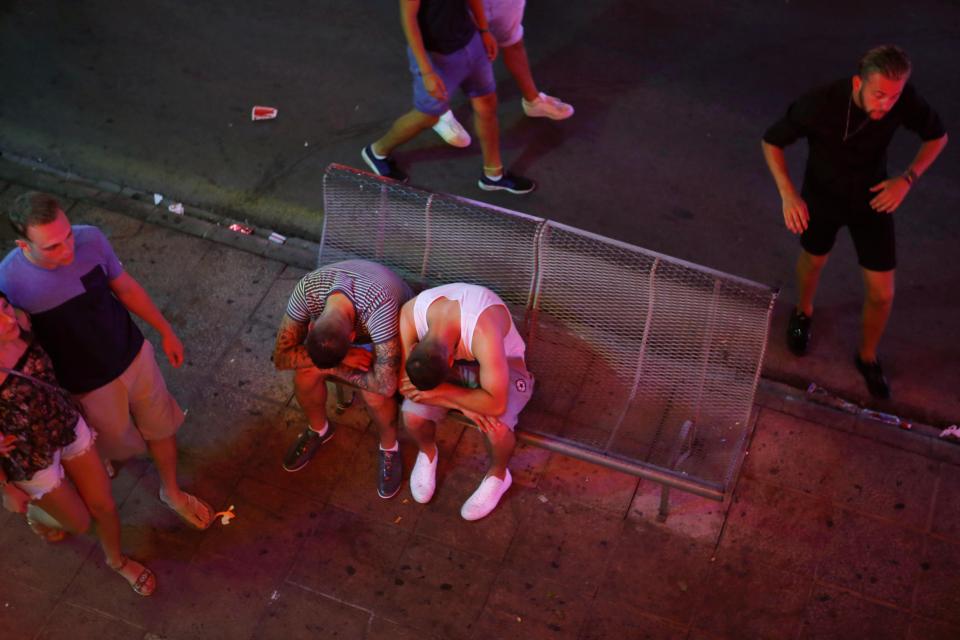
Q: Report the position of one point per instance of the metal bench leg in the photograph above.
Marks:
(664, 504)
(343, 400)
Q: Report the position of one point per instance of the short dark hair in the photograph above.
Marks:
(888, 60)
(427, 365)
(32, 209)
(327, 344)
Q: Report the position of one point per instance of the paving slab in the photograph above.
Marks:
(24, 610)
(619, 619)
(69, 621)
(835, 614)
(350, 558)
(788, 528)
(439, 589)
(247, 365)
(946, 510)
(567, 542)
(873, 558)
(566, 478)
(657, 572)
(749, 599)
(297, 613)
(938, 588)
(522, 606)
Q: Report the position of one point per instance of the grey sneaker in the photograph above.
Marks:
(389, 473)
(303, 449)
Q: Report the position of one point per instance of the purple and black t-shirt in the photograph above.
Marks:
(85, 329)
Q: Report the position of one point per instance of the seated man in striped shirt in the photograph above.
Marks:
(334, 314)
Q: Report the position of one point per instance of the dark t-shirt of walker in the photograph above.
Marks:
(848, 152)
(85, 329)
(445, 25)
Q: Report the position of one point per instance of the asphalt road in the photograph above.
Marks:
(663, 152)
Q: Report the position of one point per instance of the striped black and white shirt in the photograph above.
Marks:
(376, 292)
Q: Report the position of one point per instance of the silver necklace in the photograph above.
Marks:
(847, 134)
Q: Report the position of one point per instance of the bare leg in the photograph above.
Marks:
(488, 130)
(423, 432)
(310, 388)
(809, 268)
(88, 476)
(515, 59)
(164, 454)
(383, 412)
(877, 304)
(500, 444)
(404, 129)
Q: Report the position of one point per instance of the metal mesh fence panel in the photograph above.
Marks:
(430, 239)
(637, 356)
(643, 357)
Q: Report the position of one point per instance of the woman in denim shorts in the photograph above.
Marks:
(44, 438)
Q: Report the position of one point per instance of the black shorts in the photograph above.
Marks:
(871, 231)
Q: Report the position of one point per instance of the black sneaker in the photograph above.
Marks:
(389, 473)
(798, 332)
(303, 449)
(873, 375)
(507, 182)
(385, 167)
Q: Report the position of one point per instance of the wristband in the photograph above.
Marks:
(910, 176)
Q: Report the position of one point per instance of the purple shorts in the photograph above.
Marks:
(466, 68)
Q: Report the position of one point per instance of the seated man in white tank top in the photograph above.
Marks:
(462, 322)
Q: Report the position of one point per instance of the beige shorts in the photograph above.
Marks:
(132, 408)
(46, 480)
(519, 392)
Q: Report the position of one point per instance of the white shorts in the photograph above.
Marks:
(506, 20)
(46, 480)
(519, 392)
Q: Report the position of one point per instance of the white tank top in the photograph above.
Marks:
(473, 300)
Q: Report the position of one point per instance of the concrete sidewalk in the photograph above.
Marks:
(838, 528)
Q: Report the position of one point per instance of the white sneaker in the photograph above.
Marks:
(545, 106)
(452, 131)
(423, 478)
(486, 497)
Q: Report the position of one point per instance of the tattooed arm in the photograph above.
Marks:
(289, 352)
(382, 376)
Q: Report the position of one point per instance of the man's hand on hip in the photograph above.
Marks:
(890, 193)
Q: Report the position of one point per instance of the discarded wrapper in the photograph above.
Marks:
(276, 237)
(245, 229)
(157, 199)
(263, 113)
(226, 516)
(952, 432)
(177, 208)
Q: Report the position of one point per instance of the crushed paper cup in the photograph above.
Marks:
(276, 237)
(245, 229)
(225, 516)
(177, 208)
(263, 113)
(952, 432)
(157, 199)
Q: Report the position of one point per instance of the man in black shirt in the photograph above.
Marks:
(848, 126)
(449, 46)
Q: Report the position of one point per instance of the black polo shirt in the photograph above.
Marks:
(841, 168)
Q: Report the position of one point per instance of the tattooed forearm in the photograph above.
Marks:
(382, 376)
(289, 352)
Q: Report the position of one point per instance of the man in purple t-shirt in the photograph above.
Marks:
(80, 298)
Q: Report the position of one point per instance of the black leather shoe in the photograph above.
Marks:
(798, 332)
(303, 449)
(873, 375)
(389, 473)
